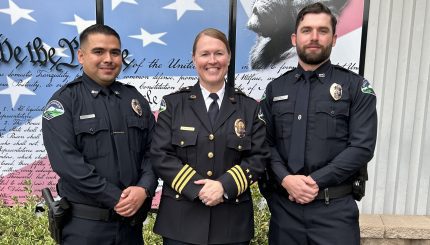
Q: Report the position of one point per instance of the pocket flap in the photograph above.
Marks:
(240, 144)
(137, 122)
(340, 108)
(184, 138)
(90, 126)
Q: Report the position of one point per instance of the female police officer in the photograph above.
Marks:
(208, 148)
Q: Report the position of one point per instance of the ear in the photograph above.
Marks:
(80, 56)
(294, 39)
(334, 40)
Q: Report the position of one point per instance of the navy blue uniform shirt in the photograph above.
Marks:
(341, 131)
(98, 141)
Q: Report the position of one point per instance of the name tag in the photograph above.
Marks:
(184, 128)
(82, 117)
(278, 98)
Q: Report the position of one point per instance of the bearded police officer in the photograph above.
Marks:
(97, 133)
(321, 126)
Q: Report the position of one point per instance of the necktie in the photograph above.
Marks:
(296, 155)
(127, 172)
(213, 108)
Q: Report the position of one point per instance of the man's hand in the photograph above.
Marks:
(130, 201)
(302, 189)
(212, 192)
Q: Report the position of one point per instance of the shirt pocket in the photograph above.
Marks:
(137, 132)
(283, 113)
(185, 143)
(92, 137)
(332, 120)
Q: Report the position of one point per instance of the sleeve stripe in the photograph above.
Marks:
(186, 181)
(181, 179)
(235, 180)
(242, 174)
(184, 168)
(242, 185)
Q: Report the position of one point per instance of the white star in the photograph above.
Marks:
(58, 51)
(17, 13)
(80, 23)
(16, 89)
(115, 3)
(148, 38)
(182, 6)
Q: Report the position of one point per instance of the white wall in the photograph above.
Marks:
(398, 64)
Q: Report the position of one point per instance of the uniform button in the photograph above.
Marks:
(209, 173)
(210, 154)
(250, 176)
(177, 196)
(237, 200)
(211, 137)
(91, 130)
(299, 117)
(239, 147)
(332, 112)
(182, 142)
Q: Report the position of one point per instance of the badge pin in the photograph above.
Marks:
(336, 91)
(136, 107)
(239, 128)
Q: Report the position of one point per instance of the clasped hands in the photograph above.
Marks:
(130, 201)
(302, 189)
(212, 192)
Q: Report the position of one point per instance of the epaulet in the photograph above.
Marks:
(288, 72)
(239, 92)
(341, 68)
(70, 84)
(182, 90)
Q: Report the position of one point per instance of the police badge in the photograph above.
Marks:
(336, 91)
(136, 107)
(239, 128)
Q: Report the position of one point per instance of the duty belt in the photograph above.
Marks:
(101, 214)
(334, 192)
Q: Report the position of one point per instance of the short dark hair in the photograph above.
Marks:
(98, 28)
(316, 8)
(214, 33)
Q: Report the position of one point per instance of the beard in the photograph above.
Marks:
(314, 58)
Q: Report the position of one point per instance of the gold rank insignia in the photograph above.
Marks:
(336, 91)
(136, 107)
(239, 128)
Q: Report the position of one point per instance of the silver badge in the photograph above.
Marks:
(336, 91)
(239, 128)
(136, 107)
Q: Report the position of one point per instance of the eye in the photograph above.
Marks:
(116, 53)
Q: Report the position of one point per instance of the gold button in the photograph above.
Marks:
(177, 196)
(210, 154)
(247, 170)
(182, 142)
(209, 173)
(211, 137)
(250, 176)
(239, 147)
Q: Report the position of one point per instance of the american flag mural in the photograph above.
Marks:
(39, 41)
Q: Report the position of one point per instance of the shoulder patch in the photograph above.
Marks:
(163, 106)
(367, 88)
(53, 109)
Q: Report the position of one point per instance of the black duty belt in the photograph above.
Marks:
(100, 214)
(334, 192)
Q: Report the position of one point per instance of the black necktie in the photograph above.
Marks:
(213, 108)
(127, 170)
(296, 155)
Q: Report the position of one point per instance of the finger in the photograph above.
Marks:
(200, 182)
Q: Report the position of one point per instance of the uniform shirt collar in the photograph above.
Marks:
(208, 100)
(95, 88)
(323, 72)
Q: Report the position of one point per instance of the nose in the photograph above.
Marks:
(212, 59)
(108, 57)
(314, 35)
